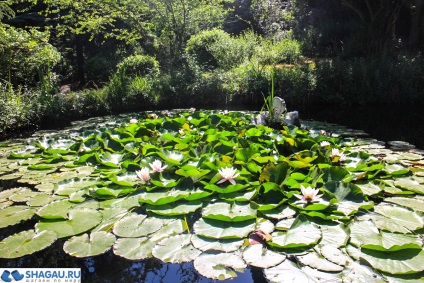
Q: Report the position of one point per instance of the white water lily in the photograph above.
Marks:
(181, 132)
(308, 195)
(325, 143)
(335, 152)
(228, 174)
(133, 121)
(154, 116)
(157, 166)
(143, 174)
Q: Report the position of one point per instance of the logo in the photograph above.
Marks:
(7, 276)
(45, 275)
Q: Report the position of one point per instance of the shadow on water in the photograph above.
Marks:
(382, 122)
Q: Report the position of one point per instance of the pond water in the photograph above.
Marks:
(111, 268)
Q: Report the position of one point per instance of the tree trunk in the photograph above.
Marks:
(417, 24)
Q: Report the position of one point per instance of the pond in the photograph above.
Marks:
(217, 190)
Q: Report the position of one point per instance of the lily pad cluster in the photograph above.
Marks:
(315, 203)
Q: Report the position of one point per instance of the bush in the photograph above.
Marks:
(25, 55)
(139, 65)
(200, 51)
(373, 79)
(278, 52)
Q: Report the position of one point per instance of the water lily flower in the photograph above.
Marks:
(228, 174)
(133, 121)
(181, 131)
(324, 143)
(308, 195)
(336, 153)
(157, 166)
(143, 174)
(154, 116)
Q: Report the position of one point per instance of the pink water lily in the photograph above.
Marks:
(308, 195)
(157, 166)
(228, 174)
(143, 174)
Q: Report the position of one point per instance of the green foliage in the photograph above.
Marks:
(139, 65)
(25, 54)
(373, 79)
(277, 52)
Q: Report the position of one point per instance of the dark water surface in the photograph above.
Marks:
(383, 122)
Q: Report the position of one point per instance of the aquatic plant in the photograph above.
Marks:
(88, 185)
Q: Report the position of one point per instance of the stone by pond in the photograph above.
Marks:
(175, 196)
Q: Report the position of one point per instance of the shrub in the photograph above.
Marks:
(25, 55)
(139, 65)
(278, 52)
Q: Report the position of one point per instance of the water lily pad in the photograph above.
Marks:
(89, 245)
(410, 184)
(223, 230)
(334, 234)
(137, 225)
(413, 203)
(358, 273)
(176, 249)
(302, 234)
(206, 244)
(230, 212)
(42, 199)
(366, 235)
(169, 228)
(400, 262)
(317, 261)
(67, 187)
(257, 255)
(26, 242)
(287, 271)
(219, 266)
(56, 210)
(395, 219)
(335, 255)
(134, 248)
(15, 214)
(175, 208)
(280, 212)
(79, 221)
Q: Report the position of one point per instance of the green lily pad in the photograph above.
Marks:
(302, 234)
(175, 208)
(206, 244)
(26, 242)
(413, 203)
(176, 249)
(230, 212)
(56, 210)
(15, 214)
(216, 229)
(407, 261)
(137, 225)
(219, 266)
(89, 245)
(134, 248)
(257, 255)
(319, 262)
(79, 221)
(366, 235)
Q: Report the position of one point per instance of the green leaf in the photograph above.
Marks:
(413, 203)
(395, 219)
(15, 214)
(400, 262)
(26, 242)
(89, 245)
(223, 230)
(317, 261)
(205, 244)
(56, 210)
(230, 212)
(137, 225)
(175, 208)
(134, 248)
(366, 235)
(261, 257)
(302, 234)
(176, 249)
(79, 221)
(219, 266)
